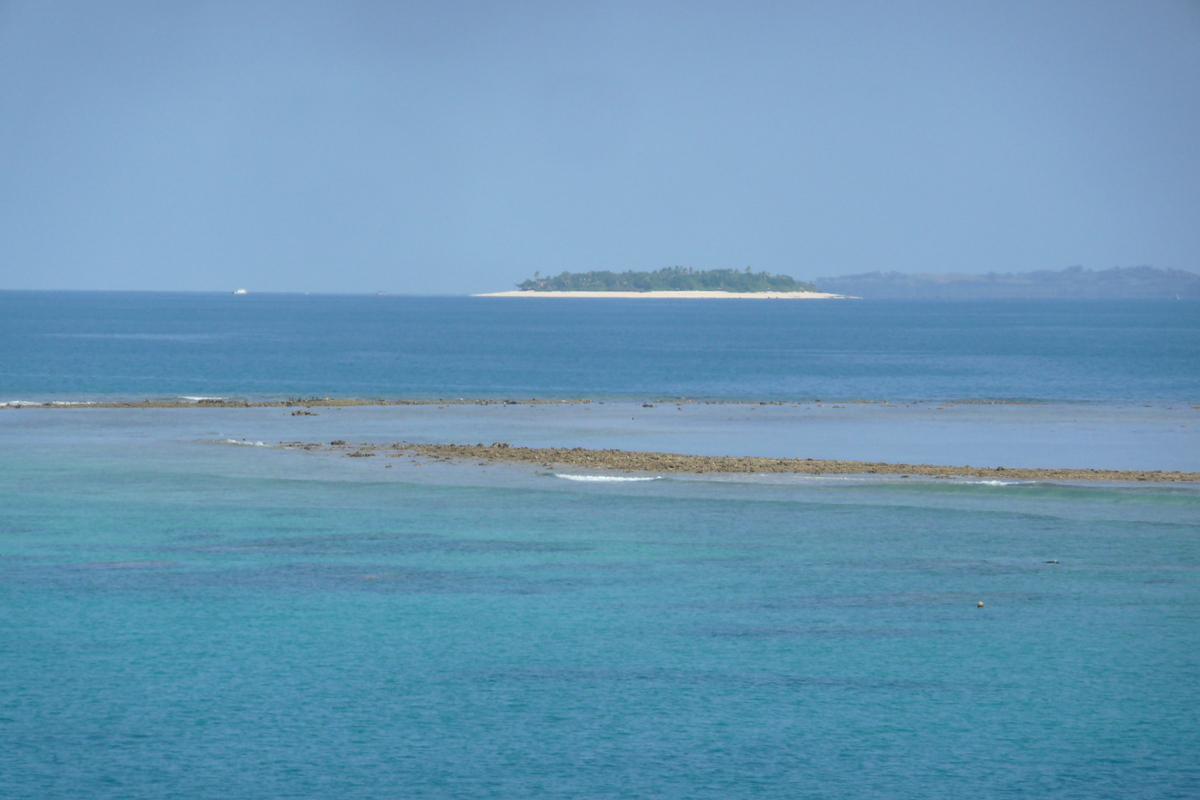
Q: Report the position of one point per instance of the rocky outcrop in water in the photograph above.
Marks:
(632, 461)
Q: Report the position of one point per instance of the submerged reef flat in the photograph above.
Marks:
(299, 402)
(350, 402)
(1078, 441)
(633, 461)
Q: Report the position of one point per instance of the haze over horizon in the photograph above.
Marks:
(455, 148)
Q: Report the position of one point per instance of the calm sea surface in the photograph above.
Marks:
(143, 344)
(185, 613)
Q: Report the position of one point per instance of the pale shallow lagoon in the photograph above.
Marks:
(1078, 435)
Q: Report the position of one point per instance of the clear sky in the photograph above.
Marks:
(446, 148)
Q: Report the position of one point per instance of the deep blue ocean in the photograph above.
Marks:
(185, 612)
(92, 344)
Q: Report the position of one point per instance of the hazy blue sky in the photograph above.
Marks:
(443, 147)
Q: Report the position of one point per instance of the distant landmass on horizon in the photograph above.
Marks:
(1073, 283)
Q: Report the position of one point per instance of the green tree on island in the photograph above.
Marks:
(668, 279)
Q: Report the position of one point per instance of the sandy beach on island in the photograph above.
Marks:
(682, 295)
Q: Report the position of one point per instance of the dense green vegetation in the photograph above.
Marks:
(668, 279)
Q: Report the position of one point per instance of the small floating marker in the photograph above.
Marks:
(979, 604)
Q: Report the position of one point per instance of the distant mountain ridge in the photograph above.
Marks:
(1073, 283)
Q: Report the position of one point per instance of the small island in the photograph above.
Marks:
(666, 282)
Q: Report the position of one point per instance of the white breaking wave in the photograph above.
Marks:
(604, 478)
(244, 443)
(198, 399)
(38, 404)
(996, 483)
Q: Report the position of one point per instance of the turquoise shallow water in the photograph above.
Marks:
(184, 616)
(189, 619)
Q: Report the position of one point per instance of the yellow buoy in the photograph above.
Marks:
(979, 604)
